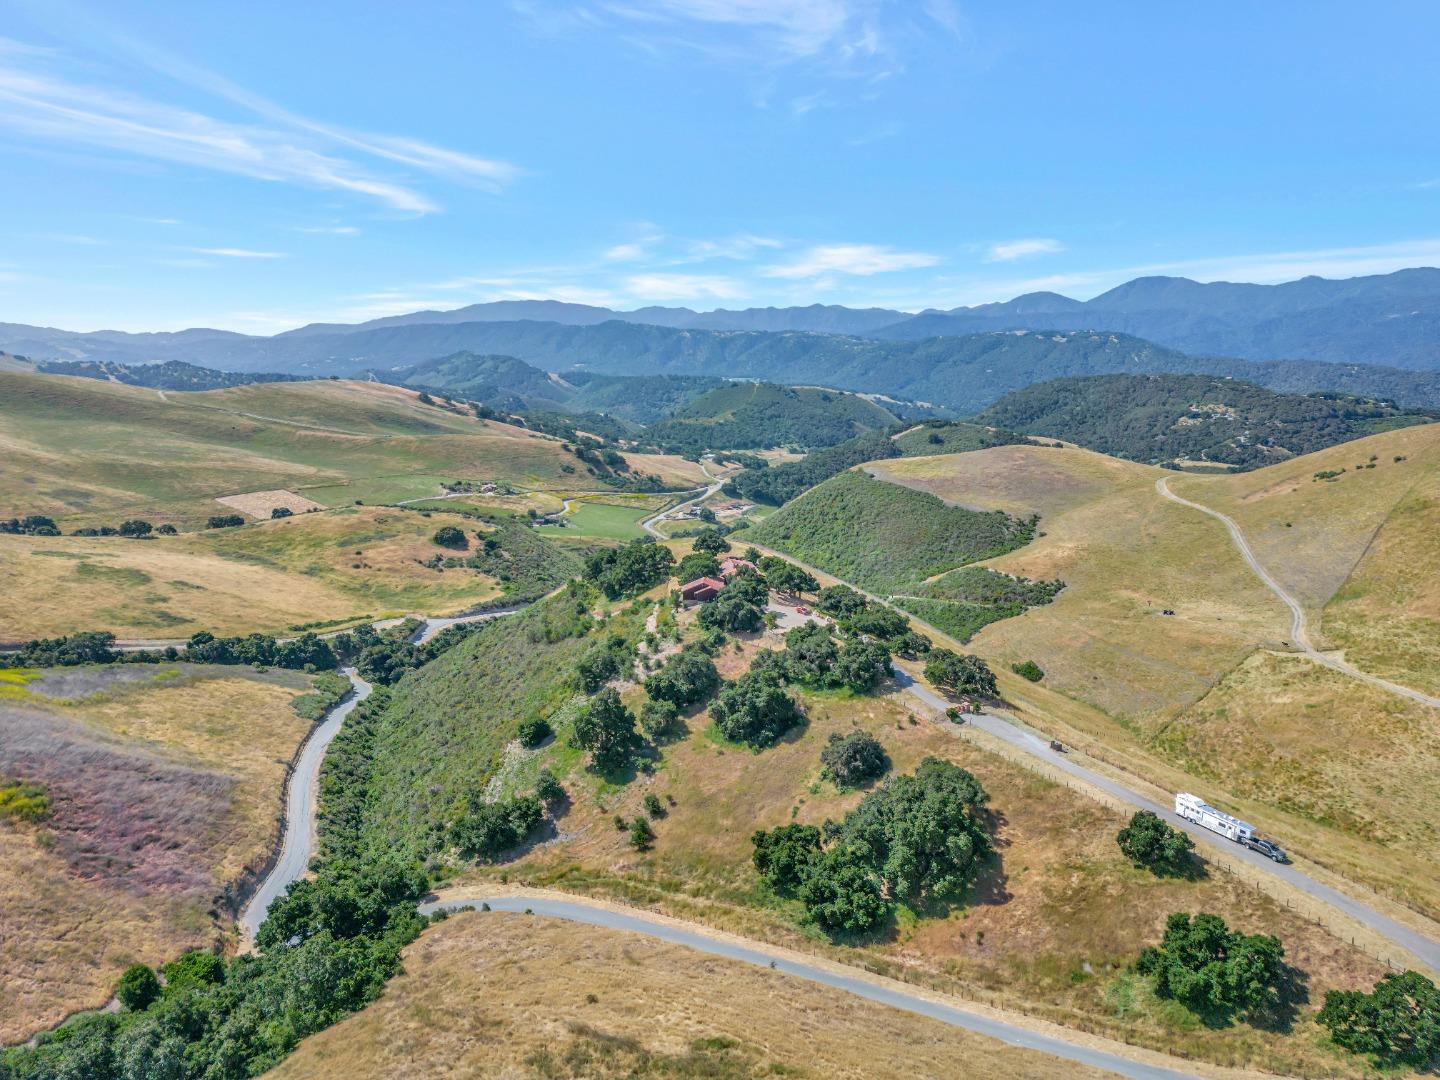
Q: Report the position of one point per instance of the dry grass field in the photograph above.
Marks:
(507, 997)
(1050, 928)
(260, 505)
(1386, 616)
(1208, 698)
(1126, 556)
(266, 577)
(1341, 770)
(1311, 533)
(90, 453)
(164, 784)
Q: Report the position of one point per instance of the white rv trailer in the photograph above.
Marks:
(1193, 808)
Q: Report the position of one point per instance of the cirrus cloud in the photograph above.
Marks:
(1010, 250)
(862, 260)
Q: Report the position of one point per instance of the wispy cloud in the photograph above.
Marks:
(328, 230)
(683, 287)
(42, 103)
(1011, 250)
(626, 252)
(71, 238)
(839, 37)
(238, 253)
(859, 259)
(1265, 268)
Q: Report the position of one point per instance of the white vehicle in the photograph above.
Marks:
(1193, 808)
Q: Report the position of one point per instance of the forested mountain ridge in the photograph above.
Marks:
(1385, 319)
(1161, 419)
(1390, 319)
(171, 375)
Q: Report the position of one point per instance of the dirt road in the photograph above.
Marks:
(1299, 627)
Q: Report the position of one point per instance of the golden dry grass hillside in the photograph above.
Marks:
(341, 564)
(1126, 556)
(515, 996)
(89, 453)
(1212, 698)
(164, 786)
(1050, 928)
(1311, 532)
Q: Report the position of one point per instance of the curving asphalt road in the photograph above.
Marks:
(885, 991)
(1299, 628)
(1423, 948)
(649, 523)
(298, 844)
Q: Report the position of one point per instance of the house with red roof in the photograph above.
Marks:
(701, 590)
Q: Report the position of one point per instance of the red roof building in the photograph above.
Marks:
(733, 565)
(701, 589)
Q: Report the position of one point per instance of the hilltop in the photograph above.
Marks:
(1166, 652)
(1164, 419)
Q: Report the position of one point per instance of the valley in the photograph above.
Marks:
(611, 745)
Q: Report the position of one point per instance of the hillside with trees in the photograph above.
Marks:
(886, 537)
(1160, 419)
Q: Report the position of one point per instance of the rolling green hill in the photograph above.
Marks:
(503, 382)
(884, 536)
(746, 416)
(1160, 419)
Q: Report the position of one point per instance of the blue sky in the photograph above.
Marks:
(257, 166)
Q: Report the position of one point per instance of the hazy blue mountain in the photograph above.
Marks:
(962, 373)
(1391, 319)
(829, 318)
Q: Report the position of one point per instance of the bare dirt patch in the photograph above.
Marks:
(259, 504)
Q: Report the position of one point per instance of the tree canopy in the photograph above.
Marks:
(1210, 968)
(1149, 842)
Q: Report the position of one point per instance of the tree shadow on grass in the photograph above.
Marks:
(1280, 1016)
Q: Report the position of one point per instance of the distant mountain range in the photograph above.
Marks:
(1390, 319)
(1373, 337)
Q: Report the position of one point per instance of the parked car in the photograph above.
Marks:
(802, 610)
(1057, 746)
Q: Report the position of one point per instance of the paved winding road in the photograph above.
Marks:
(1423, 948)
(1299, 628)
(885, 991)
(650, 523)
(298, 844)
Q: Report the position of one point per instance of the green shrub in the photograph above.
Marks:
(1398, 1022)
(754, 710)
(138, 988)
(853, 759)
(1028, 669)
(534, 731)
(1213, 970)
(23, 802)
(960, 674)
(448, 536)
